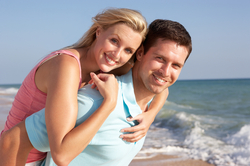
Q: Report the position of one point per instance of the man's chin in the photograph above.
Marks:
(157, 91)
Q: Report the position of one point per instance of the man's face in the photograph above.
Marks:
(161, 65)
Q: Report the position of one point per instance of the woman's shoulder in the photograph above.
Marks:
(66, 58)
(59, 66)
(72, 52)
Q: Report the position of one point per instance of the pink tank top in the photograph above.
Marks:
(29, 99)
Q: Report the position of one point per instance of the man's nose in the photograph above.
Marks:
(165, 70)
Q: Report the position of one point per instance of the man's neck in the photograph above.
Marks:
(142, 94)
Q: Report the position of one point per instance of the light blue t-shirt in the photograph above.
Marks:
(106, 148)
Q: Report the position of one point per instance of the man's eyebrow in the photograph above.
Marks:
(180, 64)
(158, 54)
(163, 57)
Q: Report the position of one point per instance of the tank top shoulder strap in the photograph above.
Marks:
(59, 52)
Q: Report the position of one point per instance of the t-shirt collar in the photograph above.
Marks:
(128, 94)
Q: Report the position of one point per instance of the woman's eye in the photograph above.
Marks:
(129, 51)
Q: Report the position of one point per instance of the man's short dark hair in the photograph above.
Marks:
(167, 30)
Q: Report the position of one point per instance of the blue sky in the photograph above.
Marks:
(220, 31)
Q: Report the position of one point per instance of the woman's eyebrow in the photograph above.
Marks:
(133, 49)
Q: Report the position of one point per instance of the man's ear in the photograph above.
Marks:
(140, 53)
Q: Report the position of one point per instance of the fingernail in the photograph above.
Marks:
(121, 136)
(129, 118)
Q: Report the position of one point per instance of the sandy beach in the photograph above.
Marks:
(165, 160)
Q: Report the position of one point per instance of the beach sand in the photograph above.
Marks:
(165, 160)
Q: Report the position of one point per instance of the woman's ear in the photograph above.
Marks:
(140, 53)
(98, 31)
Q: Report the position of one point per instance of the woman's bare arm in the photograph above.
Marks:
(61, 109)
(15, 146)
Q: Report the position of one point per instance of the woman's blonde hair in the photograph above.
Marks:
(110, 17)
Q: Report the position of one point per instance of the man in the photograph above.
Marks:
(158, 64)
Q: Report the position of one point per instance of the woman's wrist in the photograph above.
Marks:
(110, 102)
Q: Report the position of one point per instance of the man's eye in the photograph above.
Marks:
(160, 58)
(114, 41)
(176, 66)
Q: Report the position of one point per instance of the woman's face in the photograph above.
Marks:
(115, 46)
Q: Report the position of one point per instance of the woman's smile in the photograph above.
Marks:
(109, 60)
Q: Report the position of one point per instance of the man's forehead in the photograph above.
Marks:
(165, 48)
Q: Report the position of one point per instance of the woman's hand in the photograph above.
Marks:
(144, 119)
(106, 84)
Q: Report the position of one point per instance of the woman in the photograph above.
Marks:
(53, 83)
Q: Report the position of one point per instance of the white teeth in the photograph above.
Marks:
(161, 80)
(110, 60)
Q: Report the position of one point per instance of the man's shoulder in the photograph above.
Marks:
(125, 79)
(87, 93)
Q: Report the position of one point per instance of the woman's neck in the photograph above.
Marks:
(88, 63)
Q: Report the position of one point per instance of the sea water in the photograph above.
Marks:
(204, 119)
(7, 94)
(201, 119)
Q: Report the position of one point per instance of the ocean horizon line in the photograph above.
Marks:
(213, 79)
(201, 79)
(198, 79)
